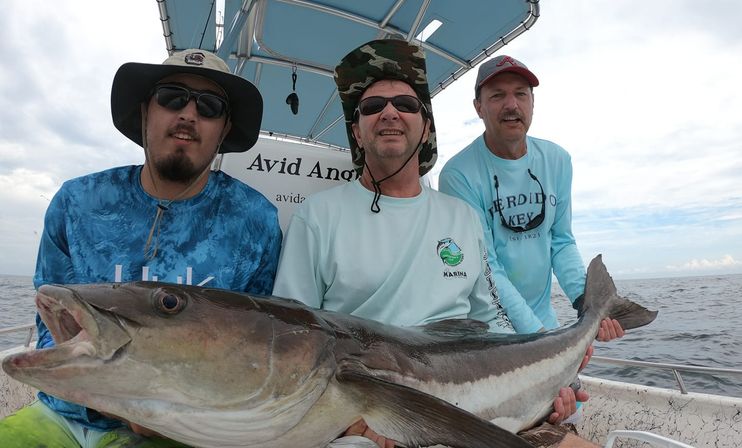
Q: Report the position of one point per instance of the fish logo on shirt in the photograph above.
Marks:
(450, 252)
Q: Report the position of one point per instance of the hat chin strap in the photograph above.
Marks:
(377, 184)
(150, 250)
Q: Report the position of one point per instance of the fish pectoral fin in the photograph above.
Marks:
(415, 418)
(456, 328)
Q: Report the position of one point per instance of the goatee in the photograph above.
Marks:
(178, 167)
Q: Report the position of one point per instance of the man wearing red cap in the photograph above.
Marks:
(520, 187)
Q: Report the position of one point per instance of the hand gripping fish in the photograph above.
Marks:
(214, 368)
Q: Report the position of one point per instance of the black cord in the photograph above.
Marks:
(206, 25)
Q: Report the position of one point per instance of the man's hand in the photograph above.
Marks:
(360, 428)
(586, 358)
(609, 329)
(565, 404)
(142, 431)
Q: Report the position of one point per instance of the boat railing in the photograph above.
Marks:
(646, 437)
(675, 368)
(28, 327)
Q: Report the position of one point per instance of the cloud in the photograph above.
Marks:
(649, 106)
(55, 86)
(644, 96)
(726, 261)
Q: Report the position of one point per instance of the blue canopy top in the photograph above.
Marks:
(266, 41)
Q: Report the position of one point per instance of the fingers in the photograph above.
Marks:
(142, 431)
(617, 327)
(356, 429)
(565, 404)
(604, 331)
(569, 400)
(582, 395)
(558, 415)
(381, 441)
(586, 358)
(609, 329)
(360, 428)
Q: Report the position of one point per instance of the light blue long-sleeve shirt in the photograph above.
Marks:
(522, 262)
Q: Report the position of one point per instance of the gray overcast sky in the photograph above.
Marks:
(644, 95)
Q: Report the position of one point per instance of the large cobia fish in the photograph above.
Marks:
(215, 368)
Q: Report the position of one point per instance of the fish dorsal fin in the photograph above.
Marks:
(415, 418)
(456, 328)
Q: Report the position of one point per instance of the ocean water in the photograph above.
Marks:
(17, 307)
(698, 323)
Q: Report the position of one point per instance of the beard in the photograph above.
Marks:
(179, 168)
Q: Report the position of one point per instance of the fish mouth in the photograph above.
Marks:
(84, 335)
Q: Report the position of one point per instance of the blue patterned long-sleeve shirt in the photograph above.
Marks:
(95, 230)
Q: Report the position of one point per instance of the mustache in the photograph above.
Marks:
(186, 129)
(511, 115)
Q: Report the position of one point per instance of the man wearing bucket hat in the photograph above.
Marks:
(384, 247)
(171, 219)
(521, 188)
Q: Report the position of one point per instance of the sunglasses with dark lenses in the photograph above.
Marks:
(175, 97)
(403, 103)
(532, 223)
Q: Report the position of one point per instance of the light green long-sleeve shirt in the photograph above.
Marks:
(419, 260)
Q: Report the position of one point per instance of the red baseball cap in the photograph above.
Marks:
(502, 64)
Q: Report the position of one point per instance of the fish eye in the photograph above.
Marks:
(169, 303)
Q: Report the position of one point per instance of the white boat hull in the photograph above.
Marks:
(700, 420)
(13, 395)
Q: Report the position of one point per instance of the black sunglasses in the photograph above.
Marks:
(533, 223)
(176, 97)
(403, 103)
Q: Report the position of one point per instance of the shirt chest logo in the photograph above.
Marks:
(451, 255)
(450, 252)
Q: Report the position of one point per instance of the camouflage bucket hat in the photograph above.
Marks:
(374, 61)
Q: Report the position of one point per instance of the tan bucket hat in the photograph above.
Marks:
(134, 81)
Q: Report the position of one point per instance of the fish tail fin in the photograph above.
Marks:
(602, 297)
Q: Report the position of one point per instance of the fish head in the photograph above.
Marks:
(152, 352)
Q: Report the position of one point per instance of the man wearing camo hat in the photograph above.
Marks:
(384, 247)
(350, 248)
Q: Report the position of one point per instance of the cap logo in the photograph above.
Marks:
(508, 60)
(195, 58)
